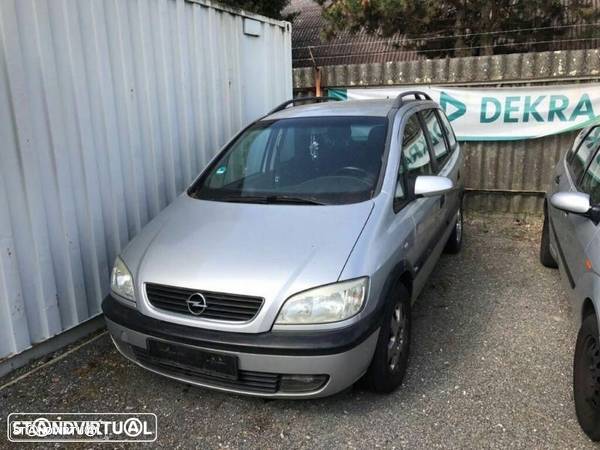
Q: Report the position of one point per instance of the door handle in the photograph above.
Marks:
(557, 179)
(442, 201)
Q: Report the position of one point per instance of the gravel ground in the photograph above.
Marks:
(490, 367)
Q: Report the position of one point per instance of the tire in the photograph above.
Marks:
(546, 257)
(388, 365)
(455, 240)
(586, 378)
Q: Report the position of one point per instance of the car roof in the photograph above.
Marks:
(373, 108)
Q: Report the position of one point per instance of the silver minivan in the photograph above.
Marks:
(571, 241)
(289, 267)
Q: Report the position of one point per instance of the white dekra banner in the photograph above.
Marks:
(498, 114)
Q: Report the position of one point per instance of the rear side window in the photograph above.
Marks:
(436, 136)
(448, 129)
(590, 184)
(584, 153)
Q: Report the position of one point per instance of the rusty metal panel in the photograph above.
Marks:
(514, 165)
(494, 169)
(108, 110)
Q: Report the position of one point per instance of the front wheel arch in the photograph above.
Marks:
(587, 309)
(402, 274)
(406, 281)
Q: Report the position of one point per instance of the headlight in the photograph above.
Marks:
(121, 281)
(324, 304)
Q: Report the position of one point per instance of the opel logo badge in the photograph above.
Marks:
(196, 304)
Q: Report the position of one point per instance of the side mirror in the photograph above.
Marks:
(576, 203)
(430, 186)
(572, 202)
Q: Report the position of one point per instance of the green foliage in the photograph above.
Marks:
(269, 8)
(460, 23)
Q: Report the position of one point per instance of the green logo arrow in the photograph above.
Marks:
(460, 107)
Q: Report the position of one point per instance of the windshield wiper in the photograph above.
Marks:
(243, 199)
(292, 199)
(267, 199)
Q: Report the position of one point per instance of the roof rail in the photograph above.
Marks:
(418, 95)
(300, 99)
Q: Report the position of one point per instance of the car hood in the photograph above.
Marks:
(269, 251)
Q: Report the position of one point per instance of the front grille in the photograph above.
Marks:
(261, 382)
(230, 307)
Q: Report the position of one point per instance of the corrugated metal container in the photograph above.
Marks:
(108, 110)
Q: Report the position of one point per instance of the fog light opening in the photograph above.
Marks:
(302, 383)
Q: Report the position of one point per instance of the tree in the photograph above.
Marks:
(464, 27)
(269, 8)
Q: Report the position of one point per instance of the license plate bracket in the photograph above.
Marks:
(195, 360)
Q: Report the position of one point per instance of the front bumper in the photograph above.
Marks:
(342, 355)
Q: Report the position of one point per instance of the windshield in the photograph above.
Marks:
(314, 160)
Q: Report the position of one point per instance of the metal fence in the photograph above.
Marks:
(108, 110)
(507, 176)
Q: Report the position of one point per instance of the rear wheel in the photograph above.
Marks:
(390, 360)
(546, 257)
(586, 377)
(454, 243)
